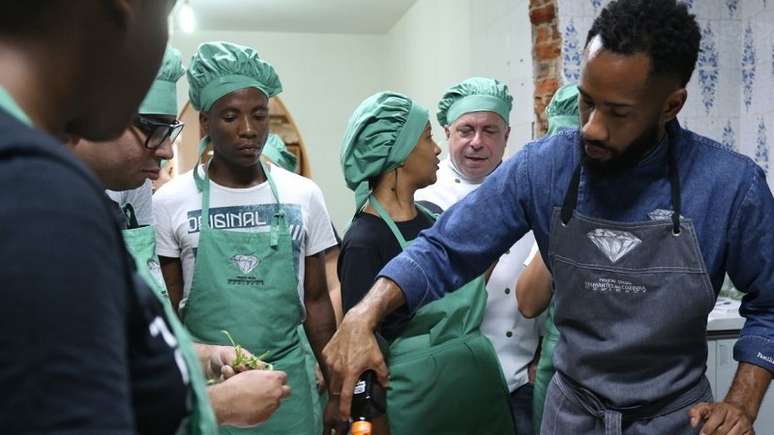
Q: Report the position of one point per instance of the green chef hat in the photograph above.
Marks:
(162, 96)
(477, 94)
(220, 68)
(380, 135)
(562, 112)
(276, 150)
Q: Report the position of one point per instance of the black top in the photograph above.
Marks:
(76, 335)
(367, 247)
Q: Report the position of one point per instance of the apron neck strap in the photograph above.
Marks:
(431, 215)
(279, 212)
(388, 220)
(571, 197)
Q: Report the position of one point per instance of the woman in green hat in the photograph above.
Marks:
(444, 374)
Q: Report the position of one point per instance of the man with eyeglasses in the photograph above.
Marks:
(136, 203)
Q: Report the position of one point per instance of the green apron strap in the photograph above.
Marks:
(388, 220)
(433, 216)
(279, 215)
(12, 107)
(203, 185)
(203, 144)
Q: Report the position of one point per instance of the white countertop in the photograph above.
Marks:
(725, 316)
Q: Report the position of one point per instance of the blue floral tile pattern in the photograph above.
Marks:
(762, 148)
(571, 54)
(732, 7)
(708, 68)
(596, 4)
(688, 3)
(728, 141)
(748, 67)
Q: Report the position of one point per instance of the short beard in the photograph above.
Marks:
(619, 163)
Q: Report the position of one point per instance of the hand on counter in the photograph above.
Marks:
(720, 419)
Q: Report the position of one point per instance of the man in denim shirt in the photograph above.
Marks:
(638, 220)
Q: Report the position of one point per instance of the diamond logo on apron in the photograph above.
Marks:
(245, 263)
(614, 244)
(154, 266)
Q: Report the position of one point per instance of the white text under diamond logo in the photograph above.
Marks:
(660, 214)
(614, 244)
(245, 263)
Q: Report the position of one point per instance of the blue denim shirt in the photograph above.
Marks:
(724, 193)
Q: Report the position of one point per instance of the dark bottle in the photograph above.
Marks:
(369, 400)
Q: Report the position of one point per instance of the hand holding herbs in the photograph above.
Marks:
(234, 359)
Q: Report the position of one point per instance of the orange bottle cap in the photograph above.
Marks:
(361, 428)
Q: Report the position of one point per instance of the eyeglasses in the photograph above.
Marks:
(156, 132)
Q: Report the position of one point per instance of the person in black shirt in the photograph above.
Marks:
(85, 344)
(369, 243)
(439, 362)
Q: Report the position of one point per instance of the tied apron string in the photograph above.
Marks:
(203, 185)
(613, 417)
(592, 405)
(571, 197)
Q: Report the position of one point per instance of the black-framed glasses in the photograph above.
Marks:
(156, 131)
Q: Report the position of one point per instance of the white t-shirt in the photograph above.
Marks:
(177, 214)
(135, 202)
(515, 338)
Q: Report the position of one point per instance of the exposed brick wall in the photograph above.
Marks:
(546, 56)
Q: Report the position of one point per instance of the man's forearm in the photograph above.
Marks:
(384, 297)
(320, 325)
(749, 387)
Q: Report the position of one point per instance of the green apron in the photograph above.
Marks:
(445, 377)
(545, 370)
(141, 244)
(311, 367)
(246, 283)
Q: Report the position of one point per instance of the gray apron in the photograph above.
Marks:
(632, 301)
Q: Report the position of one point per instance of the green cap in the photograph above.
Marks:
(380, 135)
(220, 68)
(276, 150)
(562, 112)
(162, 96)
(477, 94)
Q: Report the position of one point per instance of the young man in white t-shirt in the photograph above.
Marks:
(177, 208)
(240, 280)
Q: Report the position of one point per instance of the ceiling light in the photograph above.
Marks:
(186, 18)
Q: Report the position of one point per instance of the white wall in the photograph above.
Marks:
(441, 42)
(435, 44)
(325, 76)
